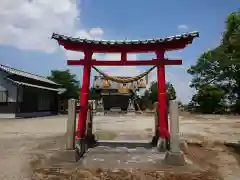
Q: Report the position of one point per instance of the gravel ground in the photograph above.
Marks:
(22, 139)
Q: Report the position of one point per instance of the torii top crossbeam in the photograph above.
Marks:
(128, 46)
(124, 47)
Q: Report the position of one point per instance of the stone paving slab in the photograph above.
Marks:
(125, 143)
(124, 158)
(121, 157)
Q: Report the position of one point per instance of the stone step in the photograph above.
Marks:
(117, 150)
(123, 143)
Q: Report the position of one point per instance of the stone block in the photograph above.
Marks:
(63, 156)
(161, 145)
(176, 159)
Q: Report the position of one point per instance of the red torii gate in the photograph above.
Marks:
(158, 46)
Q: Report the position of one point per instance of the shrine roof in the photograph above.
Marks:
(14, 71)
(176, 42)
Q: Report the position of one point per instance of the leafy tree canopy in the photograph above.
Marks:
(68, 81)
(209, 99)
(153, 92)
(221, 65)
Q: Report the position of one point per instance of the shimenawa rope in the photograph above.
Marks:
(123, 79)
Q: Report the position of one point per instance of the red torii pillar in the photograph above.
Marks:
(162, 96)
(84, 95)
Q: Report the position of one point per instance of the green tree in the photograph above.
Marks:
(209, 99)
(68, 81)
(153, 94)
(171, 92)
(221, 65)
(93, 94)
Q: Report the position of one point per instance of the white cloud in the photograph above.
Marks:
(96, 32)
(29, 24)
(182, 27)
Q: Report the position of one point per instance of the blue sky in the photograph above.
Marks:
(25, 41)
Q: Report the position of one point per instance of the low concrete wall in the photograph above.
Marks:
(35, 114)
(7, 116)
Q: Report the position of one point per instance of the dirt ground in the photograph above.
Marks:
(23, 141)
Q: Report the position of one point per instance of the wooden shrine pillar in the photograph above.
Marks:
(162, 97)
(84, 95)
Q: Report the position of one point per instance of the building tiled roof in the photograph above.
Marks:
(33, 85)
(18, 72)
(126, 42)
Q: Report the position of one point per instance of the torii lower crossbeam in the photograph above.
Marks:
(124, 63)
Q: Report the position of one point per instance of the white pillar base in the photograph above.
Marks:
(173, 158)
(161, 145)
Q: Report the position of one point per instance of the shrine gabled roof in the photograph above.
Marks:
(13, 71)
(69, 42)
